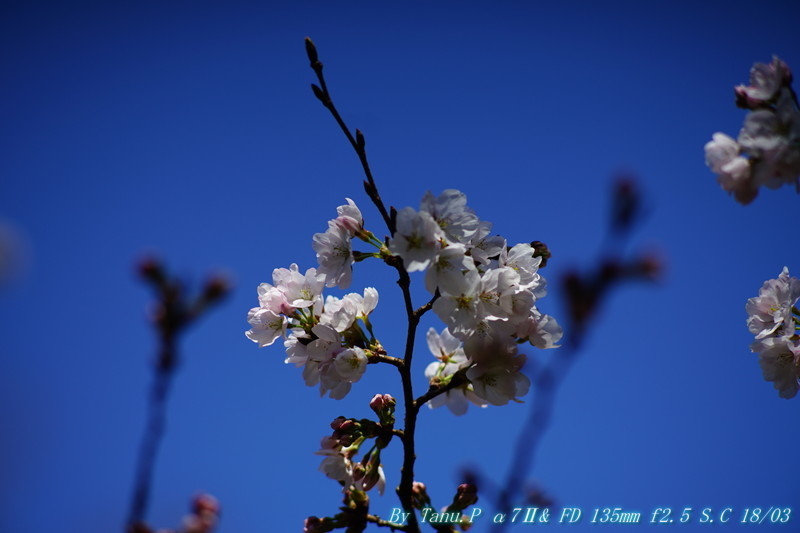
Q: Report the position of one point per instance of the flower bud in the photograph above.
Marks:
(372, 477)
(337, 422)
(540, 249)
(311, 50)
(151, 270)
(466, 495)
(215, 289)
(419, 495)
(205, 503)
(383, 405)
(379, 402)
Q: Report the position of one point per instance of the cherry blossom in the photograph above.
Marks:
(770, 313)
(417, 240)
(767, 151)
(335, 255)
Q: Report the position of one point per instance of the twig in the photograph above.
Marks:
(174, 314)
(394, 361)
(404, 491)
(358, 143)
(150, 444)
(434, 391)
(533, 430)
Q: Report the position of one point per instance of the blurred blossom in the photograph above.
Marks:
(767, 151)
(774, 319)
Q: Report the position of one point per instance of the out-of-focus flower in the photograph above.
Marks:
(767, 152)
(779, 358)
(204, 515)
(499, 381)
(770, 313)
(733, 170)
(774, 319)
(765, 82)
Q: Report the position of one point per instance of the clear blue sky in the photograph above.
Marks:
(189, 130)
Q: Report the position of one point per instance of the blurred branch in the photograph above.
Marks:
(174, 313)
(583, 296)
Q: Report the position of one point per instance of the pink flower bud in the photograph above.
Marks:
(337, 424)
(205, 503)
(466, 495)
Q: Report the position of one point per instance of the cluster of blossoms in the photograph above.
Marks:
(484, 291)
(767, 151)
(356, 477)
(349, 435)
(775, 321)
(486, 294)
(325, 337)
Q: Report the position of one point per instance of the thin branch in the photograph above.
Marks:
(175, 313)
(434, 391)
(394, 361)
(151, 441)
(534, 428)
(358, 143)
(404, 491)
(427, 307)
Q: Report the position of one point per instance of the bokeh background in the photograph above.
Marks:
(188, 130)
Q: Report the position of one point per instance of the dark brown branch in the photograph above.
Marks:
(358, 142)
(427, 307)
(434, 391)
(404, 491)
(150, 442)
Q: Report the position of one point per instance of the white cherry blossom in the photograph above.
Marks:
(448, 267)
(351, 364)
(335, 255)
(451, 358)
(417, 240)
(300, 290)
(499, 382)
(770, 313)
(457, 221)
(349, 217)
(520, 258)
(266, 326)
(542, 331)
(458, 307)
(340, 313)
(484, 246)
(779, 358)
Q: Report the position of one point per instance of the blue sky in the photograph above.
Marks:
(189, 130)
